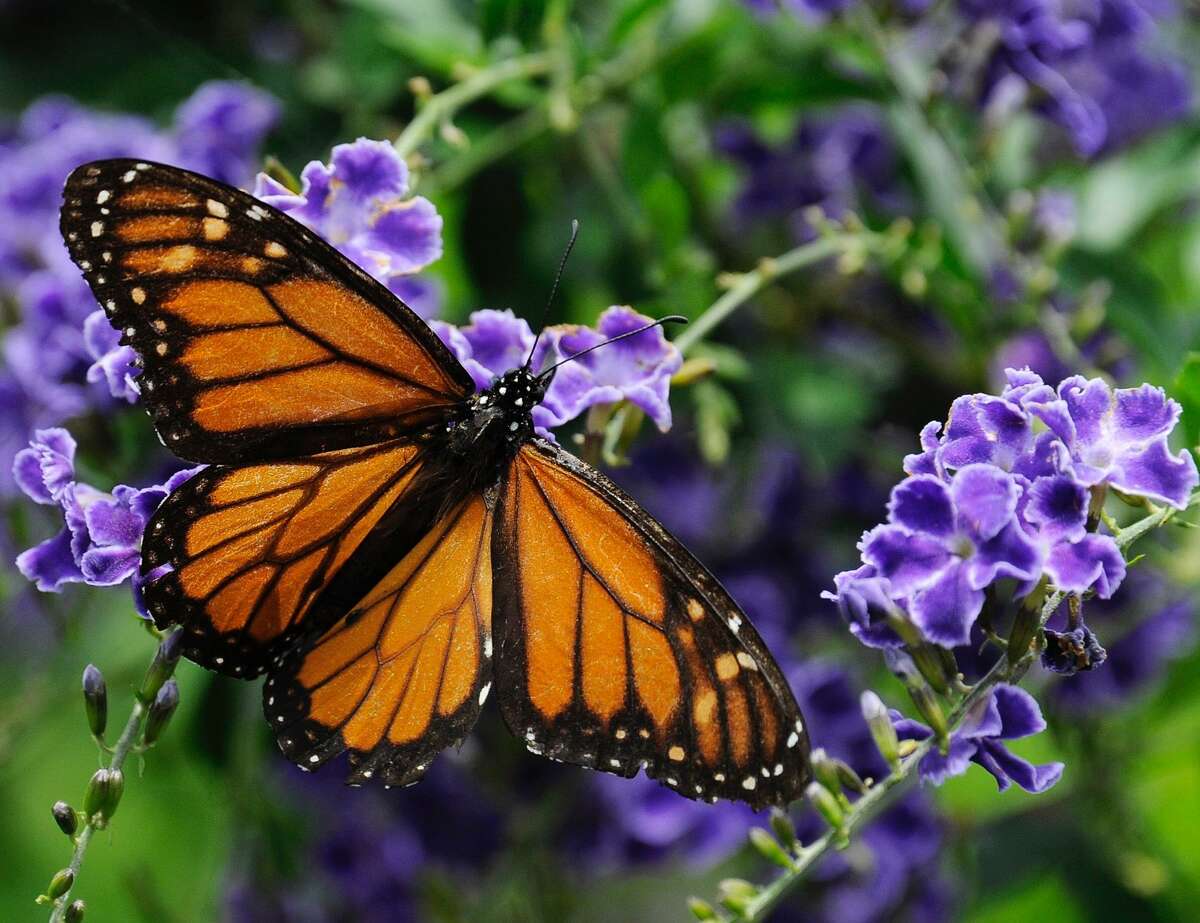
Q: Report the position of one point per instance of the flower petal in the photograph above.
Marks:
(985, 498)
(1058, 507)
(1004, 765)
(410, 232)
(1152, 471)
(922, 504)
(1093, 562)
(50, 564)
(947, 609)
(1020, 715)
(908, 561)
(1141, 414)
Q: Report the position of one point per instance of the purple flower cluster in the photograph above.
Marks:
(62, 359)
(359, 202)
(1089, 67)
(101, 540)
(1003, 490)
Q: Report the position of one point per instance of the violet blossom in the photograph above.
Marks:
(360, 203)
(1009, 713)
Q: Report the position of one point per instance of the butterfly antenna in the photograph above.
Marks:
(669, 319)
(562, 264)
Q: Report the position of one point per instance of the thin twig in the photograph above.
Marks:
(125, 743)
(443, 105)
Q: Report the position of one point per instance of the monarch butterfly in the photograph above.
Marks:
(385, 543)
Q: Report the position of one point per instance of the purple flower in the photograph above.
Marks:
(359, 202)
(943, 544)
(1084, 66)
(1008, 714)
(1071, 652)
(865, 601)
(837, 162)
(101, 541)
(491, 344)
(637, 369)
(1116, 437)
(113, 364)
(220, 127)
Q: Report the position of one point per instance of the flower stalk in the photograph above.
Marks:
(106, 786)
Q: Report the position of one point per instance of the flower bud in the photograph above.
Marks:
(701, 909)
(74, 912)
(768, 847)
(161, 710)
(931, 666)
(161, 667)
(922, 697)
(103, 794)
(1025, 624)
(824, 771)
(827, 806)
(784, 828)
(882, 729)
(736, 894)
(95, 699)
(65, 817)
(907, 748)
(60, 884)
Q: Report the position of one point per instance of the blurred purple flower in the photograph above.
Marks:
(57, 348)
(838, 162)
(101, 541)
(219, 128)
(359, 202)
(1085, 66)
(1009, 713)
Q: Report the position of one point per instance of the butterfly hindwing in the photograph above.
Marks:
(258, 339)
(250, 549)
(405, 674)
(618, 650)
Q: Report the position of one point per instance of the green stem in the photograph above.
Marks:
(751, 283)
(125, 746)
(881, 795)
(443, 105)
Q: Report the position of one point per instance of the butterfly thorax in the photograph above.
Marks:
(495, 422)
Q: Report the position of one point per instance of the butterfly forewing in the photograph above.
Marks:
(619, 651)
(259, 340)
(406, 673)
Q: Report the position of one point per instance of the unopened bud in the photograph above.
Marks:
(162, 666)
(95, 699)
(824, 770)
(768, 847)
(65, 817)
(827, 806)
(882, 729)
(736, 894)
(907, 748)
(420, 87)
(931, 666)
(702, 909)
(161, 710)
(1025, 627)
(453, 135)
(921, 694)
(60, 884)
(784, 828)
(103, 794)
(74, 913)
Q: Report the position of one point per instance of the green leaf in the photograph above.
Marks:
(1186, 390)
